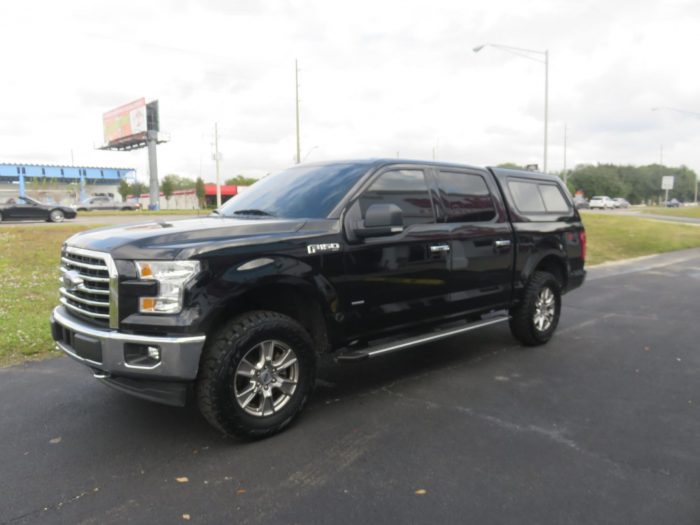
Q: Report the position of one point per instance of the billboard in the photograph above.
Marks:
(125, 121)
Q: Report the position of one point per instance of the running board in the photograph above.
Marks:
(394, 346)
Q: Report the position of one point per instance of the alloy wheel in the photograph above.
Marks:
(266, 378)
(545, 309)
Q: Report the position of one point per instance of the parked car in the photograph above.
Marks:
(355, 259)
(673, 203)
(27, 209)
(104, 203)
(581, 203)
(621, 202)
(602, 203)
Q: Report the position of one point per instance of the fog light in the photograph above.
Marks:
(154, 353)
(145, 356)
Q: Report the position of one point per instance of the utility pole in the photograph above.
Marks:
(217, 156)
(296, 85)
(546, 104)
(661, 155)
(566, 177)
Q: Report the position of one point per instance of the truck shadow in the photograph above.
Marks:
(335, 381)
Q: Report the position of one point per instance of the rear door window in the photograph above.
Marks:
(405, 188)
(466, 197)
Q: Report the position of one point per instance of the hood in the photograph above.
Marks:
(183, 238)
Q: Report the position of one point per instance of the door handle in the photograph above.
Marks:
(501, 243)
(438, 248)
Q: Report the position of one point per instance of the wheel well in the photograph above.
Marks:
(287, 300)
(554, 265)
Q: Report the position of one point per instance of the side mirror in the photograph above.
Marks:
(380, 220)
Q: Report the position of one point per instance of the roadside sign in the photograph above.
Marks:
(667, 182)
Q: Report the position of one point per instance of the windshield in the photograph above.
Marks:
(309, 192)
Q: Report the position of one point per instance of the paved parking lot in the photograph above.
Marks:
(602, 425)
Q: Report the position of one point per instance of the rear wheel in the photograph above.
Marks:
(535, 319)
(256, 374)
(56, 216)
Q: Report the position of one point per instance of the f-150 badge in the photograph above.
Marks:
(318, 248)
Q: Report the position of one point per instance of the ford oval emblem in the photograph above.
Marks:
(72, 280)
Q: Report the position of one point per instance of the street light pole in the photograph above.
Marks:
(296, 87)
(546, 104)
(217, 157)
(527, 53)
(693, 114)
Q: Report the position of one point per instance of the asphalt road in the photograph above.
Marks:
(602, 425)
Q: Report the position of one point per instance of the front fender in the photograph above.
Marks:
(227, 286)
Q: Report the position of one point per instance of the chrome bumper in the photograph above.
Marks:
(103, 350)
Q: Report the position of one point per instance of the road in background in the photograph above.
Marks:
(601, 425)
(88, 218)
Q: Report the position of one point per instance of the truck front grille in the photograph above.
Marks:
(88, 285)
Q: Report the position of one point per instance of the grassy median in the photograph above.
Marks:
(612, 238)
(142, 213)
(29, 260)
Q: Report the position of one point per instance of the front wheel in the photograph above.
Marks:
(256, 374)
(535, 319)
(56, 216)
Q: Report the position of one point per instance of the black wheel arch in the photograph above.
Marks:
(305, 296)
(550, 261)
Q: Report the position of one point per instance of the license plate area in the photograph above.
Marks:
(83, 346)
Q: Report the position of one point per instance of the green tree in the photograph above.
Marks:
(137, 189)
(179, 182)
(511, 166)
(240, 180)
(200, 191)
(123, 189)
(638, 184)
(167, 187)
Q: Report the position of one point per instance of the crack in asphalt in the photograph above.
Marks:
(555, 435)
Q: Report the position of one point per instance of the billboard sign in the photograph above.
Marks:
(667, 182)
(125, 121)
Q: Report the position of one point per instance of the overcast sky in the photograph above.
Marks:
(377, 79)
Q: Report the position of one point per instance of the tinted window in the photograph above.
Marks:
(534, 197)
(466, 197)
(405, 188)
(554, 201)
(302, 192)
(526, 196)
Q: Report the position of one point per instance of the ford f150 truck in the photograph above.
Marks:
(354, 258)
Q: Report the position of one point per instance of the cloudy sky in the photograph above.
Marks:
(377, 78)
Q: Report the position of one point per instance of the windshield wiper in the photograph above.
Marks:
(253, 212)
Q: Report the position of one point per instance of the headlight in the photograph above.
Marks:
(172, 276)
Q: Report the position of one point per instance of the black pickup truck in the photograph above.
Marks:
(354, 258)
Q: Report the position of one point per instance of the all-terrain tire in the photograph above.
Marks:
(220, 363)
(525, 324)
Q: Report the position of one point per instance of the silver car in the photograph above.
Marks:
(103, 203)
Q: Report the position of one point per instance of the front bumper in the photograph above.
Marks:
(103, 350)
